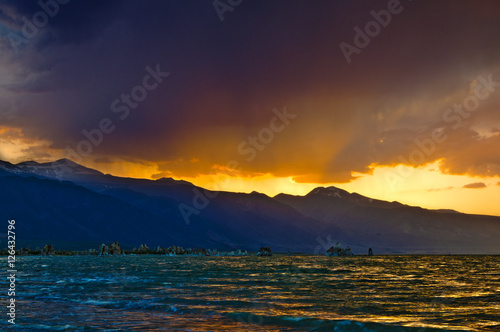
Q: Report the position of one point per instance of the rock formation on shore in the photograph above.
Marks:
(235, 253)
(265, 251)
(114, 248)
(143, 249)
(48, 250)
(103, 250)
(338, 251)
(178, 251)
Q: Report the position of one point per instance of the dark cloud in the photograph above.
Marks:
(73, 22)
(226, 77)
(476, 185)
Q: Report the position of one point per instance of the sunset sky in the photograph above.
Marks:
(396, 100)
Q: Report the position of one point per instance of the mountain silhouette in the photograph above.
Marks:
(76, 207)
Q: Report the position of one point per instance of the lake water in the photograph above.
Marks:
(279, 293)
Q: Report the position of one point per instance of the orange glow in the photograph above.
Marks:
(15, 147)
(426, 186)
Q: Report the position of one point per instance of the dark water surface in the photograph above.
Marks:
(279, 293)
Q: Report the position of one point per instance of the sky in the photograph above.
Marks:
(395, 100)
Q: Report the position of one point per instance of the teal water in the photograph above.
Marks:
(279, 293)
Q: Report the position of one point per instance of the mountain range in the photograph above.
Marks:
(75, 207)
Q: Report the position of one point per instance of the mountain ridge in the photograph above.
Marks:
(309, 223)
(320, 190)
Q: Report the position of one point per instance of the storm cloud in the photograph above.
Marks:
(385, 107)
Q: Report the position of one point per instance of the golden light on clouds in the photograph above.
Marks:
(15, 147)
(424, 186)
(428, 187)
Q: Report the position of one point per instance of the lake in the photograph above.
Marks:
(248, 293)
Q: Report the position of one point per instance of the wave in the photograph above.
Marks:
(287, 323)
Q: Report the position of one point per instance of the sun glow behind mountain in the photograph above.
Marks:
(426, 186)
(423, 186)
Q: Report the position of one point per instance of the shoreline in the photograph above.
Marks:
(79, 253)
